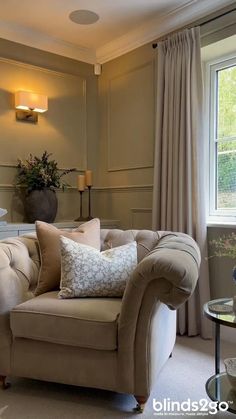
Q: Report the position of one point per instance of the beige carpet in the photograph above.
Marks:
(183, 377)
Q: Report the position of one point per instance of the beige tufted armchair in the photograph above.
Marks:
(108, 343)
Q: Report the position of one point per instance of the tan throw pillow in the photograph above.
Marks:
(49, 245)
(86, 272)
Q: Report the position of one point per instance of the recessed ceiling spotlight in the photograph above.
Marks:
(83, 17)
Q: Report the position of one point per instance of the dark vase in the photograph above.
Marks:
(41, 205)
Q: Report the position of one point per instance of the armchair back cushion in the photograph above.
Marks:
(146, 240)
(49, 245)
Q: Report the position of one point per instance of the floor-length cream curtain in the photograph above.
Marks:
(179, 179)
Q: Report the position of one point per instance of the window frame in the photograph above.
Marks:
(212, 67)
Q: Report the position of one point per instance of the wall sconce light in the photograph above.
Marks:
(28, 105)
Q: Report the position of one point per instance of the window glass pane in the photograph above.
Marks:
(226, 171)
(226, 112)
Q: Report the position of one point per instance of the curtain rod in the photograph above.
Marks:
(207, 21)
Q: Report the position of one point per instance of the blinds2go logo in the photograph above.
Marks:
(202, 407)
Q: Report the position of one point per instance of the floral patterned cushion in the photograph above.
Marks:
(86, 272)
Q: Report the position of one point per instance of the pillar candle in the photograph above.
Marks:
(88, 178)
(81, 183)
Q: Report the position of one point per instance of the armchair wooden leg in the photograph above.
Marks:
(5, 385)
(141, 401)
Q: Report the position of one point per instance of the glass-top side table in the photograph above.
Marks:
(218, 387)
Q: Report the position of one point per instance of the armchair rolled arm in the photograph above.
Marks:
(19, 267)
(167, 274)
(174, 263)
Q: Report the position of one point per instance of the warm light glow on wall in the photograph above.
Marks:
(31, 101)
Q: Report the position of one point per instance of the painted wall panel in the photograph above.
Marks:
(61, 130)
(131, 119)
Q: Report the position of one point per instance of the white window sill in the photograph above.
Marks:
(222, 222)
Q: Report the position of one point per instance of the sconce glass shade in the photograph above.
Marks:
(29, 101)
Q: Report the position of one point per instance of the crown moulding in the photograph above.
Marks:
(153, 29)
(36, 39)
(158, 27)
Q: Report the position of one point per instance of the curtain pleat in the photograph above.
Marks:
(179, 161)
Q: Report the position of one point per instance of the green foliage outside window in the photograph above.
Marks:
(227, 103)
(226, 135)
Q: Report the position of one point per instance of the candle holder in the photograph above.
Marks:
(81, 218)
(89, 203)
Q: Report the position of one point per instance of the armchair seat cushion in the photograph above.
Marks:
(83, 322)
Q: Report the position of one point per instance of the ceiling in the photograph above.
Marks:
(123, 24)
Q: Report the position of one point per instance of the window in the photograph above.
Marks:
(222, 130)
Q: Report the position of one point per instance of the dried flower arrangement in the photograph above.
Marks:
(39, 173)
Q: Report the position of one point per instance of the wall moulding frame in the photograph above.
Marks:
(113, 189)
(140, 211)
(124, 188)
(9, 165)
(64, 75)
(152, 64)
(119, 169)
(9, 187)
(35, 67)
(14, 166)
